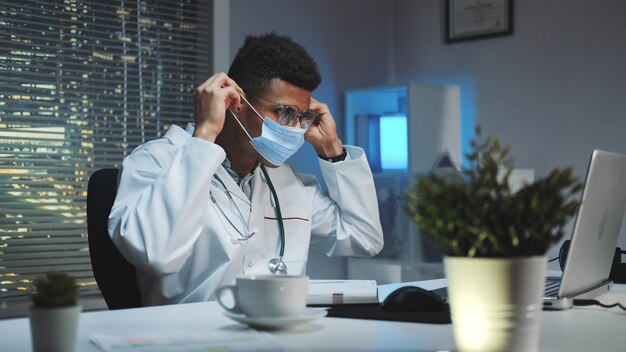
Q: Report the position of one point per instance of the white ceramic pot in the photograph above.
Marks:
(54, 329)
(496, 303)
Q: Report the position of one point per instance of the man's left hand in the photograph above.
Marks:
(322, 133)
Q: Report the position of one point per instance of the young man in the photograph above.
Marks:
(201, 206)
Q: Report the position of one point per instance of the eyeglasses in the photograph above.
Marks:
(288, 115)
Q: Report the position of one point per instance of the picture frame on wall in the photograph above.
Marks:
(477, 19)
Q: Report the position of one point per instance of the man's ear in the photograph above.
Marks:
(242, 106)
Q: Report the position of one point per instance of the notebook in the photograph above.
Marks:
(338, 292)
(596, 231)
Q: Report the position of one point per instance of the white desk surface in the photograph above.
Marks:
(576, 329)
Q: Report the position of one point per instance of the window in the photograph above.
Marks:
(82, 84)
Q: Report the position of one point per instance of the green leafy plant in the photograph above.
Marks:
(474, 213)
(54, 290)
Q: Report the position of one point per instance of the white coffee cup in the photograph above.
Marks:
(266, 295)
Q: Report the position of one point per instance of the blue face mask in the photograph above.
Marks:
(277, 143)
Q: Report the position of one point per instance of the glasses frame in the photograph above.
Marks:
(305, 117)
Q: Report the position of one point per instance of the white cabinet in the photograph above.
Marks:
(433, 115)
(433, 128)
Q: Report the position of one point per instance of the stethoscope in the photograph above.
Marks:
(276, 265)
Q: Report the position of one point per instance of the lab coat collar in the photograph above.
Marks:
(238, 193)
(177, 135)
(226, 164)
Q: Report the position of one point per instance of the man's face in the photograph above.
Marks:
(281, 94)
(278, 95)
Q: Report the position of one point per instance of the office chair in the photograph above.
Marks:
(116, 277)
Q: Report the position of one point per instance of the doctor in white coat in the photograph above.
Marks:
(202, 205)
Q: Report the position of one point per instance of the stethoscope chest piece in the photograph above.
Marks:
(277, 266)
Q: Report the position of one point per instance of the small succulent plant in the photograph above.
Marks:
(54, 290)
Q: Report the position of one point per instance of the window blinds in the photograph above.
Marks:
(82, 83)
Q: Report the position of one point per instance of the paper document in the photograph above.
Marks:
(330, 292)
(244, 340)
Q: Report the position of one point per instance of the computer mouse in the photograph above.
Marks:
(412, 299)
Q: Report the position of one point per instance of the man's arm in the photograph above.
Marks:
(160, 207)
(163, 192)
(346, 221)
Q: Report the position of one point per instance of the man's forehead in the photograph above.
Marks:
(282, 92)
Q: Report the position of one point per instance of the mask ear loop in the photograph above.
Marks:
(240, 124)
(237, 119)
(250, 105)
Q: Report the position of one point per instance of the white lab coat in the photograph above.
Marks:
(164, 222)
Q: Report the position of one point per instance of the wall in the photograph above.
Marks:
(347, 38)
(554, 90)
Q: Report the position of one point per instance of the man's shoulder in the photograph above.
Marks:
(175, 136)
(168, 144)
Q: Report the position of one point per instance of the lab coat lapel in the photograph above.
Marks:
(258, 188)
(241, 200)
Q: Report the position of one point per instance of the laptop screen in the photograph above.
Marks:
(598, 223)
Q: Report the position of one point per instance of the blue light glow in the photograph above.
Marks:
(394, 144)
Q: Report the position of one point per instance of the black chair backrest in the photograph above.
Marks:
(116, 277)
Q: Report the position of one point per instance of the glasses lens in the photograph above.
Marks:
(307, 117)
(287, 115)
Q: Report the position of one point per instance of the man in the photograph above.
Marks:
(201, 206)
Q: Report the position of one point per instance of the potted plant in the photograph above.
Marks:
(495, 240)
(54, 312)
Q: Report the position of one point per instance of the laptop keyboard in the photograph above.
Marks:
(551, 289)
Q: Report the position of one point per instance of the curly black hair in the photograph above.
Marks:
(269, 56)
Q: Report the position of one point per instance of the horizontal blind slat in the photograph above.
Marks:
(30, 272)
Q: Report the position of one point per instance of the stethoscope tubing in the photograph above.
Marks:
(279, 215)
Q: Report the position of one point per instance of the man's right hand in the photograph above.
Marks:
(211, 99)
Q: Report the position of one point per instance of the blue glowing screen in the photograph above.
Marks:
(394, 145)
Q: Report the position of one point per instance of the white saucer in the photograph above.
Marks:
(276, 323)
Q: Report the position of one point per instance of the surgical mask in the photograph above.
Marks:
(277, 143)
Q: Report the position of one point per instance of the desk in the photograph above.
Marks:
(576, 329)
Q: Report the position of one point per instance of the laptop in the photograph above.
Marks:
(595, 235)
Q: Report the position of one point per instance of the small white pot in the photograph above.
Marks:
(496, 303)
(54, 329)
